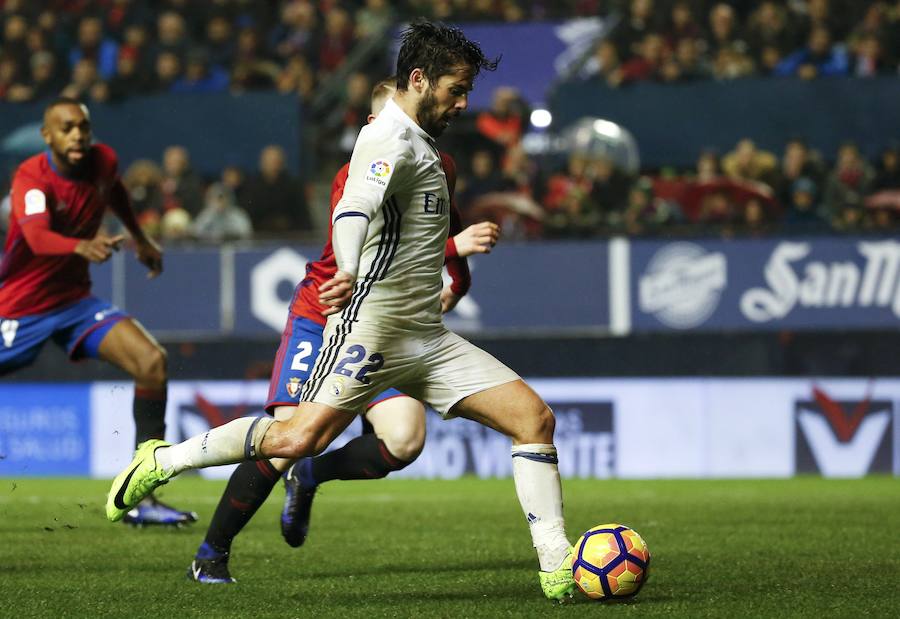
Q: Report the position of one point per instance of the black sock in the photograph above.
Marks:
(364, 457)
(248, 488)
(149, 414)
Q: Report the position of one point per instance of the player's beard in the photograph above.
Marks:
(432, 121)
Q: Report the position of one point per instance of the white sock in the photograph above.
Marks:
(226, 444)
(540, 494)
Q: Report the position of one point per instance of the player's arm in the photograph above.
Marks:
(376, 167)
(148, 251)
(29, 208)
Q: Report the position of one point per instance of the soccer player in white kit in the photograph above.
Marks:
(389, 234)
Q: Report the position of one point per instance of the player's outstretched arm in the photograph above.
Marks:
(150, 255)
(148, 251)
(99, 248)
(478, 238)
(336, 292)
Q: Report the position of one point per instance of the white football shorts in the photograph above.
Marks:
(358, 361)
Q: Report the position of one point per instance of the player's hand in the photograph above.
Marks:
(478, 238)
(336, 292)
(449, 299)
(150, 255)
(99, 248)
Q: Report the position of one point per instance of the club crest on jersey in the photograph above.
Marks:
(337, 387)
(379, 172)
(293, 387)
(35, 202)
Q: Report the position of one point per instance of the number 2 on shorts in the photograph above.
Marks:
(357, 353)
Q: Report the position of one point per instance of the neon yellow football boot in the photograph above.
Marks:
(136, 481)
(559, 583)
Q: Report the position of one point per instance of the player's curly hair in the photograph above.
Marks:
(437, 49)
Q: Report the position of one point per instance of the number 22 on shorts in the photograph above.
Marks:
(355, 354)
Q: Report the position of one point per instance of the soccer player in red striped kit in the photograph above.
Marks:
(59, 198)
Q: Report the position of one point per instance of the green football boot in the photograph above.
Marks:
(559, 583)
(136, 481)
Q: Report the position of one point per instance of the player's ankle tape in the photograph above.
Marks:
(255, 436)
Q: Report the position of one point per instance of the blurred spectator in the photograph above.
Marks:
(847, 184)
(755, 220)
(45, 80)
(569, 211)
(723, 32)
(731, 63)
(297, 77)
(746, 162)
(232, 178)
(718, 210)
(297, 33)
(639, 22)
(172, 34)
(708, 168)
(136, 47)
(648, 61)
(818, 59)
(129, 78)
(168, 71)
(93, 45)
(84, 77)
(14, 44)
(274, 199)
(802, 214)
(609, 191)
(373, 18)
(768, 27)
(336, 41)
(868, 58)
(798, 161)
(219, 41)
(503, 123)
(9, 73)
(484, 178)
(182, 187)
(682, 24)
(821, 13)
(769, 58)
(199, 76)
(357, 106)
(252, 70)
(605, 63)
(887, 175)
(143, 180)
(221, 218)
(686, 64)
(644, 213)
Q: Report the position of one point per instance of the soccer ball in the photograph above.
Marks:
(611, 562)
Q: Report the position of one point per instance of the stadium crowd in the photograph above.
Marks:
(108, 50)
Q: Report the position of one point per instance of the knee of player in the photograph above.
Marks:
(541, 425)
(153, 366)
(405, 441)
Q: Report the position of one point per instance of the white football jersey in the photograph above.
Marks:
(397, 182)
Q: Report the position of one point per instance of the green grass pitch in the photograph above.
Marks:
(804, 547)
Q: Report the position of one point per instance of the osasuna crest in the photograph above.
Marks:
(844, 438)
(293, 387)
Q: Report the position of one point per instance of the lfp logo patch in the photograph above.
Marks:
(379, 172)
